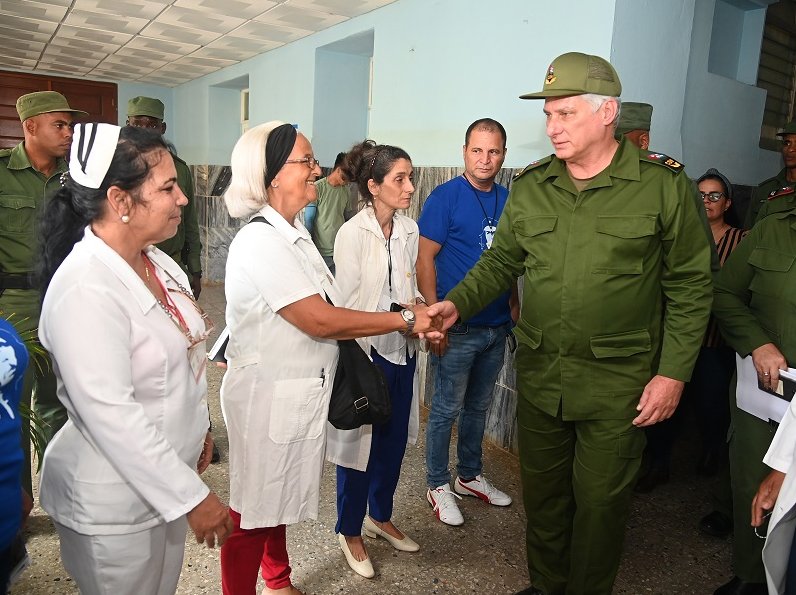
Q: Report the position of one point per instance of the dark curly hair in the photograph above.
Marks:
(369, 161)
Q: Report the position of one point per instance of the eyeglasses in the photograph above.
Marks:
(310, 161)
(711, 196)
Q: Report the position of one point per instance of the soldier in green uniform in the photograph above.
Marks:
(616, 298)
(635, 121)
(754, 305)
(28, 173)
(186, 246)
(777, 194)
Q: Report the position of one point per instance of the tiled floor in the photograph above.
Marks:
(664, 553)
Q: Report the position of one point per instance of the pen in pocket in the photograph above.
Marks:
(323, 377)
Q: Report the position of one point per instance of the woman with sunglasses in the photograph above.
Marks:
(121, 478)
(282, 354)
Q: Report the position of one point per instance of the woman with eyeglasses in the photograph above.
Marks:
(754, 303)
(121, 478)
(282, 354)
(710, 381)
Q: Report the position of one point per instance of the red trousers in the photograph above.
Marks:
(245, 550)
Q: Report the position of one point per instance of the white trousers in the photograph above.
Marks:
(144, 563)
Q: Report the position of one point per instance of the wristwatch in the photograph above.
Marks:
(409, 319)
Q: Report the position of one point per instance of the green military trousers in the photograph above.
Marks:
(21, 307)
(750, 438)
(577, 481)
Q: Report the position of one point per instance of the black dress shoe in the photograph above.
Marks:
(216, 455)
(738, 587)
(652, 479)
(716, 524)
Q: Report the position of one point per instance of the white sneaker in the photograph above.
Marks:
(481, 488)
(443, 501)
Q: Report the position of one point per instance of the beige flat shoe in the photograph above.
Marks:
(407, 544)
(362, 568)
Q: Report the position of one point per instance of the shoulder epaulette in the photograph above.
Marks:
(664, 160)
(534, 165)
(5, 152)
(781, 192)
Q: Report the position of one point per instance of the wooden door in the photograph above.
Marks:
(97, 98)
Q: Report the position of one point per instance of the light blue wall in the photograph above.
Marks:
(650, 49)
(721, 122)
(704, 119)
(340, 114)
(438, 65)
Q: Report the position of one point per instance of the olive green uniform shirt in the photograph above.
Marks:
(759, 204)
(332, 203)
(23, 190)
(755, 296)
(185, 247)
(616, 282)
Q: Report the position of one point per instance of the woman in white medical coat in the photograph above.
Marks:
(777, 497)
(281, 355)
(126, 337)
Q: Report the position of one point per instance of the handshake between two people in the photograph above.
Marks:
(432, 321)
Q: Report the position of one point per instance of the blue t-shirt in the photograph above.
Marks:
(462, 220)
(13, 362)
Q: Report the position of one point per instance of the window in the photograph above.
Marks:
(777, 72)
(244, 110)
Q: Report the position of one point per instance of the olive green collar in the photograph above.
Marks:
(19, 160)
(624, 165)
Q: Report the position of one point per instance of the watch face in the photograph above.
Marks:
(408, 315)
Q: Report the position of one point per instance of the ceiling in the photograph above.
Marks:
(163, 43)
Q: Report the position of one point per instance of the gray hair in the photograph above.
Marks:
(596, 101)
(247, 193)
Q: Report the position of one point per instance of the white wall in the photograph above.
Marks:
(722, 117)
(438, 65)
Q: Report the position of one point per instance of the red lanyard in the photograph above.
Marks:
(169, 307)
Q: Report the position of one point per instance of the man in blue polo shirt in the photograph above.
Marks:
(457, 224)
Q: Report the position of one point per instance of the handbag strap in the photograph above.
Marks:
(261, 219)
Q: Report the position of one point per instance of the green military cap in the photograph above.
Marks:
(145, 106)
(790, 128)
(634, 116)
(577, 74)
(43, 102)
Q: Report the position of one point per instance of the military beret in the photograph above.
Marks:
(790, 128)
(577, 74)
(634, 116)
(145, 106)
(43, 102)
(715, 174)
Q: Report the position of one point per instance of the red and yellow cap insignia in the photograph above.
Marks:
(551, 77)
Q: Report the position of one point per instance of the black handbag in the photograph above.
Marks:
(359, 392)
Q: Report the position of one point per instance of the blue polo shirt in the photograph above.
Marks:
(462, 220)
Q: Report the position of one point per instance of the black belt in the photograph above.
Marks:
(17, 281)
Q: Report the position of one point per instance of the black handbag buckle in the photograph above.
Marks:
(361, 404)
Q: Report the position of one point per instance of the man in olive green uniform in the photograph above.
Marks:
(28, 173)
(777, 194)
(754, 305)
(616, 298)
(185, 247)
(635, 121)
